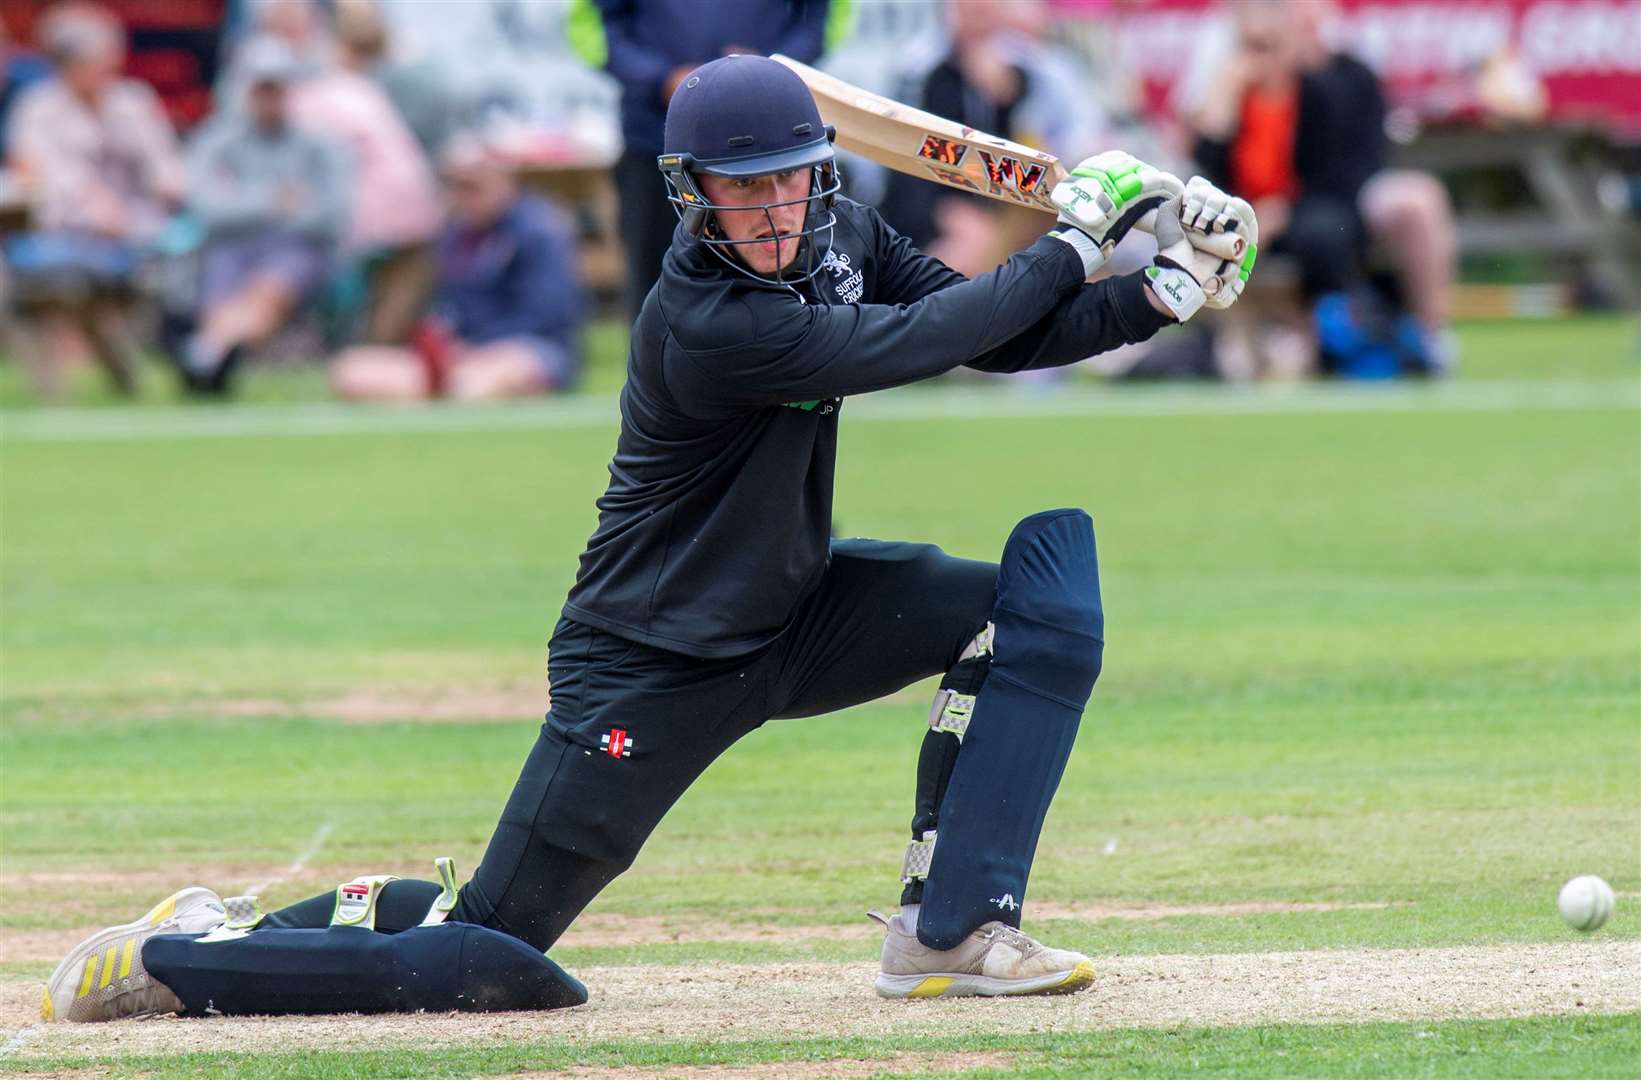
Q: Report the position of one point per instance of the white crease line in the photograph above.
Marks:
(22, 1036)
(296, 867)
(958, 402)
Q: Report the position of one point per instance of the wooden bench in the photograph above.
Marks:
(587, 191)
(1533, 191)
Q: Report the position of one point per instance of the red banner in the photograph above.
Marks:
(1585, 53)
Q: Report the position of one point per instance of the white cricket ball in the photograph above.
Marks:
(1586, 902)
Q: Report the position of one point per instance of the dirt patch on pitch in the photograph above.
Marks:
(606, 929)
(499, 701)
(437, 704)
(451, 703)
(610, 929)
(812, 1000)
(920, 1064)
(1151, 912)
(594, 930)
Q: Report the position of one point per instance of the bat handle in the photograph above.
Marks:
(1226, 245)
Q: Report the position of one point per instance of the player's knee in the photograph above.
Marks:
(1048, 603)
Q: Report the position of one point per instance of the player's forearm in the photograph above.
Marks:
(1098, 317)
(845, 349)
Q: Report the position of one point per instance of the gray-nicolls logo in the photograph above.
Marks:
(1005, 902)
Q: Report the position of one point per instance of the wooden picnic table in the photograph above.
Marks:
(1558, 167)
(587, 190)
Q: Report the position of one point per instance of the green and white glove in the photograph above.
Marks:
(1205, 211)
(1103, 198)
(1185, 276)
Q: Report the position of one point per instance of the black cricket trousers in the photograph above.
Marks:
(632, 726)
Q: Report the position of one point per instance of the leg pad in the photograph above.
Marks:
(345, 969)
(1049, 637)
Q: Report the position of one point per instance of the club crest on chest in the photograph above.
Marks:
(847, 282)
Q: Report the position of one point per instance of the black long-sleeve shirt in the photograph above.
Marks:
(716, 521)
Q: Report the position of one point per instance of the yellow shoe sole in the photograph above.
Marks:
(1080, 977)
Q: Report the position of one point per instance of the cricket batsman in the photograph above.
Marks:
(710, 598)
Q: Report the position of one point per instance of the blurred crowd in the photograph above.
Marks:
(322, 186)
(337, 187)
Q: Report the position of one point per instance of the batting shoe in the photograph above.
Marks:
(996, 960)
(102, 978)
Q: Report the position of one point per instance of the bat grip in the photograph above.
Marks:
(1228, 246)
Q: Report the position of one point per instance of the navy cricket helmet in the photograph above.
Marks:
(745, 116)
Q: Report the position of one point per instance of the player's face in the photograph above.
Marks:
(776, 248)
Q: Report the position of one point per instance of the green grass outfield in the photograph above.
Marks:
(1372, 651)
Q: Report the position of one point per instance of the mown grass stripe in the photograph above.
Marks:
(1576, 1046)
(942, 403)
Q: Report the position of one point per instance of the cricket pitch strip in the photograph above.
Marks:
(806, 1000)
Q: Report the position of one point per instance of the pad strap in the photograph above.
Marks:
(356, 900)
(919, 856)
(951, 712)
(446, 900)
(243, 912)
(952, 709)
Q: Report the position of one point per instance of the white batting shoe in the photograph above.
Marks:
(995, 961)
(102, 978)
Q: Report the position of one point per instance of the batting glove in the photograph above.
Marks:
(1206, 211)
(1103, 198)
(1186, 276)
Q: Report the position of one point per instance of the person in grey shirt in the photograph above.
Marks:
(273, 201)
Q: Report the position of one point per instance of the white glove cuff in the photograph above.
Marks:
(1084, 245)
(1178, 291)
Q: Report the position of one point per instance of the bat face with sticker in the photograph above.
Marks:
(918, 143)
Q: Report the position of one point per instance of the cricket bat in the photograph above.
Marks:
(931, 147)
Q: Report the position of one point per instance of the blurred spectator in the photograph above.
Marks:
(18, 68)
(995, 73)
(394, 205)
(418, 90)
(507, 306)
(649, 46)
(101, 167)
(1298, 130)
(273, 202)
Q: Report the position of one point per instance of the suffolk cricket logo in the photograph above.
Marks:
(848, 283)
(615, 743)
